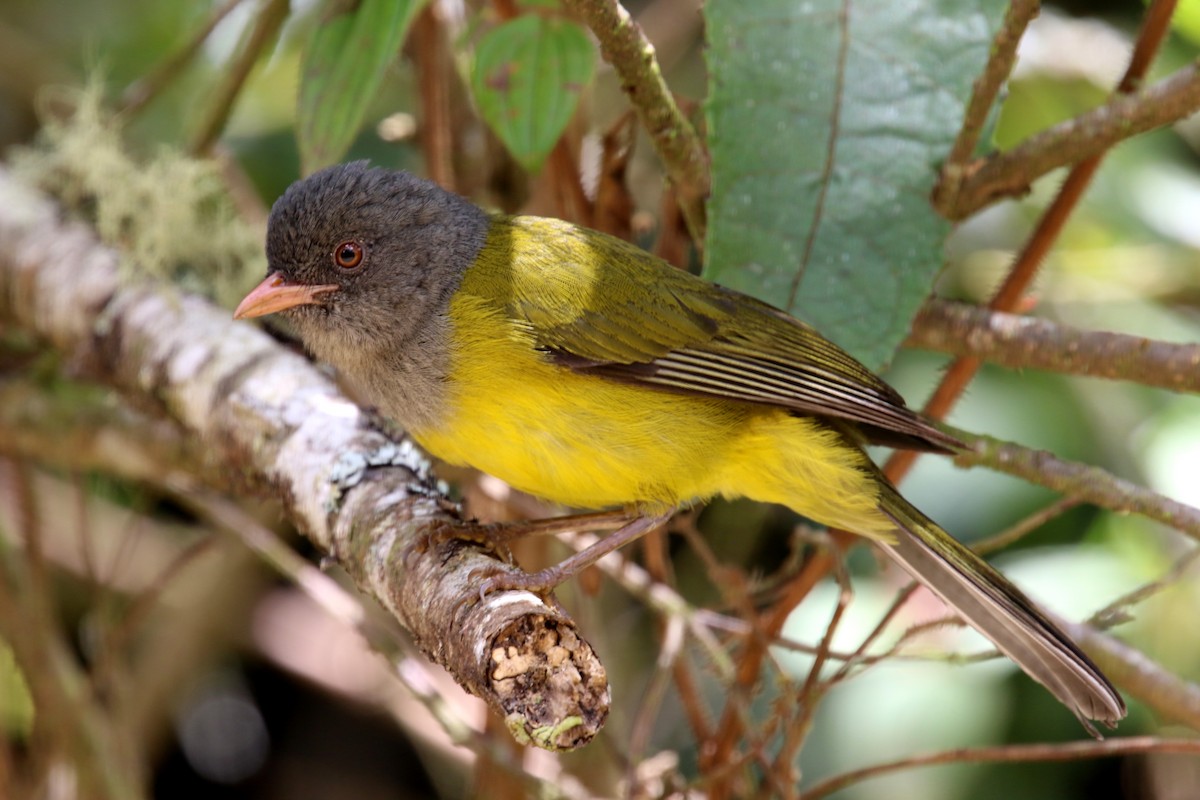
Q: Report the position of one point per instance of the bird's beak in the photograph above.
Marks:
(276, 294)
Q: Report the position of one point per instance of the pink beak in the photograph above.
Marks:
(276, 294)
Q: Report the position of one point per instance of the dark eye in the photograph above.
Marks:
(348, 255)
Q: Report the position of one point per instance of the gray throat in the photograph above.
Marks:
(405, 377)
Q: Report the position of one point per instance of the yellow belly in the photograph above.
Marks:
(589, 442)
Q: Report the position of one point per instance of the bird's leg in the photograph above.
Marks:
(499, 534)
(550, 577)
(509, 531)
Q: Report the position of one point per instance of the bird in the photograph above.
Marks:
(583, 370)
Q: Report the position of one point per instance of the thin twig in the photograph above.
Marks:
(146, 88)
(983, 93)
(1053, 220)
(796, 730)
(1010, 173)
(1118, 609)
(1084, 482)
(1008, 754)
(134, 616)
(625, 46)
(1026, 526)
(859, 655)
(434, 69)
(269, 20)
(228, 517)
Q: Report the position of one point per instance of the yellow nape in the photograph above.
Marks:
(590, 442)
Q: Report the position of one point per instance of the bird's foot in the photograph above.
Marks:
(543, 581)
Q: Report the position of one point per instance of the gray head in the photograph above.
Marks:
(364, 256)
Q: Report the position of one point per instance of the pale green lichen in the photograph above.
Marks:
(169, 214)
(549, 737)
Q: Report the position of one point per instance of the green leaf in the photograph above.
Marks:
(527, 77)
(350, 49)
(1186, 19)
(826, 123)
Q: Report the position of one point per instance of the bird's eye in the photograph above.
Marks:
(348, 255)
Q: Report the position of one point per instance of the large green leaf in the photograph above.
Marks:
(826, 123)
(527, 77)
(354, 42)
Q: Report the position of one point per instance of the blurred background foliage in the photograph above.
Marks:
(271, 701)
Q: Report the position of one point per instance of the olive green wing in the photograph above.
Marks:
(597, 304)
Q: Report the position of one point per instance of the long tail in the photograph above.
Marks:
(1001, 612)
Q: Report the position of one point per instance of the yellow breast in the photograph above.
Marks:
(586, 441)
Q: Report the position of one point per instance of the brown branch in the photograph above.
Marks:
(1008, 754)
(278, 424)
(1009, 295)
(1082, 481)
(1019, 342)
(983, 97)
(434, 70)
(625, 46)
(1168, 695)
(1010, 173)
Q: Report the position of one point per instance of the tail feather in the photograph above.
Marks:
(1001, 612)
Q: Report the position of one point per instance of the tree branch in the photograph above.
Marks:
(1155, 26)
(625, 46)
(1010, 173)
(1019, 342)
(1167, 694)
(278, 424)
(983, 93)
(1082, 481)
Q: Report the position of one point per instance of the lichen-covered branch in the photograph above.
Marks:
(625, 46)
(276, 423)
(1019, 342)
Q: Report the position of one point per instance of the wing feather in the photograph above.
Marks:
(648, 323)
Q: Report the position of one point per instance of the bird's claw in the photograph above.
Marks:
(539, 583)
